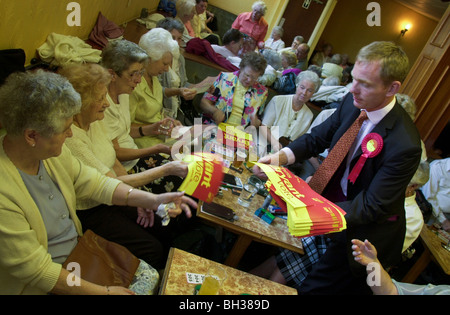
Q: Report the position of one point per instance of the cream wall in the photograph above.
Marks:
(27, 23)
(347, 29)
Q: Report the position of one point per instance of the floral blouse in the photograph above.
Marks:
(224, 88)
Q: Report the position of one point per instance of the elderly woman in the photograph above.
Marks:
(185, 14)
(288, 62)
(178, 92)
(289, 113)
(90, 143)
(146, 101)
(275, 42)
(39, 226)
(199, 23)
(125, 61)
(237, 97)
(253, 23)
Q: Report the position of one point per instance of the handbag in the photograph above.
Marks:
(103, 262)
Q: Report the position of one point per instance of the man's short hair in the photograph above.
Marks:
(394, 61)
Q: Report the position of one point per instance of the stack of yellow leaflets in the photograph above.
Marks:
(308, 212)
(205, 175)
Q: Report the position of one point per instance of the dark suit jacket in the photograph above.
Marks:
(378, 194)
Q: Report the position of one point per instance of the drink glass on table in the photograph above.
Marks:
(250, 189)
(214, 279)
(167, 123)
(240, 158)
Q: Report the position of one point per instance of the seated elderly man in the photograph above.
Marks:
(302, 56)
(295, 43)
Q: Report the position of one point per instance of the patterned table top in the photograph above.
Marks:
(180, 263)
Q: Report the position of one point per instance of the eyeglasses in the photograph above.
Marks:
(136, 74)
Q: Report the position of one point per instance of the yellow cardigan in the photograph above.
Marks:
(145, 109)
(26, 266)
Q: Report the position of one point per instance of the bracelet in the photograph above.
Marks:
(128, 195)
(141, 132)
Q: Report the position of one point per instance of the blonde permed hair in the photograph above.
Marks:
(88, 80)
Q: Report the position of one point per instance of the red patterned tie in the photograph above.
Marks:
(329, 166)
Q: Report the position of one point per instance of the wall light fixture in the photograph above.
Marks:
(407, 28)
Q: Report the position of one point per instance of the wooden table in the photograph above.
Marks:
(432, 249)
(174, 281)
(249, 227)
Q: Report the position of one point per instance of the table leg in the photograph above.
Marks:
(238, 250)
(418, 267)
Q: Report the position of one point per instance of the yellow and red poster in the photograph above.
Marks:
(205, 175)
(308, 212)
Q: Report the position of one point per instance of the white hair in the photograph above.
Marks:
(185, 7)
(157, 42)
(279, 30)
(309, 76)
(261, 5)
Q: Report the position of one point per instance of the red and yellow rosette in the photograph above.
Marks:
(371, 146)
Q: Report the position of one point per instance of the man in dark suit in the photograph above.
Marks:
(375, 201)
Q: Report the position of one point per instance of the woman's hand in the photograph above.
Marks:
(183, 206)
(188, 94)
(218, 116)
(162, 148)
(182, 203)
(146, 217)
(177, 168)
